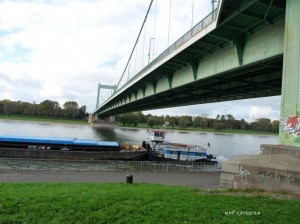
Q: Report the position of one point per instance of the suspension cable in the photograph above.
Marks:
(154, 30)
(135, 42)
(192, 14)
(169, 23)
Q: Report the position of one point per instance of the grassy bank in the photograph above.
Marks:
(137, 203)
(42, 119)
(227, 131)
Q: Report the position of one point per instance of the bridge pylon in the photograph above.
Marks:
(100, 86)
(278, 166)
(290, 97)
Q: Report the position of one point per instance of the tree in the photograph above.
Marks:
(243, 124)
(263, 124)
(49, 108)
(275, 126)
(133, 119)
(151, 122)
(71, 109)
(172, 121)
(229, 121)
(197, 121)
(82, 112)
(219, 126)
(183, 122)
(123, 119)
(141, 116)
(7, 107)
(204, 121)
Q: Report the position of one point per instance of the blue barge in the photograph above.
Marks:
(57, 143)
(63, 148)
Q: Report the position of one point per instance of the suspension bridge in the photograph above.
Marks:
(242, 49)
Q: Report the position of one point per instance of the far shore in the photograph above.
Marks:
(143, 126)
(43, 120)
(245, 132)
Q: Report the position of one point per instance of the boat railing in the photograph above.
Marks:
(20, 164)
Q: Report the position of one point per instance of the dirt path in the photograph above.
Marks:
(203, 180)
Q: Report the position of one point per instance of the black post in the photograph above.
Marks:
(129, 179)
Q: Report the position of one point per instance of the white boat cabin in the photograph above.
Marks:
(157, 135)
(182, 152)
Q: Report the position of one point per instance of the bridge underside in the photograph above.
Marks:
(257, 80)
(241, 58)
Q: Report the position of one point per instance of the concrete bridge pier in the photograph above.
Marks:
(107, 121)
(278, 166)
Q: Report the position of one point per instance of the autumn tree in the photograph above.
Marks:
(70, 109)
(49, 108)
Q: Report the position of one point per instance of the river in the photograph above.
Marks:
(223, 146)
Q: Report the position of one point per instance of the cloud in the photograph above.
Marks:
(65, 47)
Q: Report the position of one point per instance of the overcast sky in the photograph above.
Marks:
(61, 49)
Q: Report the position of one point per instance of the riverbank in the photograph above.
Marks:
(211, 130)
(139, 126)
(42, 119)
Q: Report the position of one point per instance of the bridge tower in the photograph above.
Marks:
(290, 103)
(277, 168)
(100, 86)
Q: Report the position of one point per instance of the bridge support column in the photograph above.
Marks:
(290, 103)
(277, 168)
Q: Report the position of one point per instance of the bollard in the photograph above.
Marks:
(129, 179)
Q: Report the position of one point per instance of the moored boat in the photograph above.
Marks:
(159, 148)
(183, 152)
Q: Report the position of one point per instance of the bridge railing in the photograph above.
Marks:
(187, 36)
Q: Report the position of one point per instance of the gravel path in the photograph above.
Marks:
(203, 180)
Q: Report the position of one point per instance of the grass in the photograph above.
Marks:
(43, 119)
(136, 203)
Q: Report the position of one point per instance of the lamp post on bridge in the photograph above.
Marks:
(213, 4)
(149, 53)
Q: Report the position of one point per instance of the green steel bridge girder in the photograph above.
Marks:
(250, 67)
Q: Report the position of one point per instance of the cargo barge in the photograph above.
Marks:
(66, 148)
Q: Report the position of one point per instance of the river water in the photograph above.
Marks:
(223, 146)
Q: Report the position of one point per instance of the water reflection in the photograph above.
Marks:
(105, 134)
(202, 133)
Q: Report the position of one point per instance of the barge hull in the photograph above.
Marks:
(78, 155)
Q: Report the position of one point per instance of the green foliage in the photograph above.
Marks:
(275, 126)
(136, 203)
(183, 122)
(43, 119)
(47, 108)
(151, 122)
(219, 126)
(70, 109)
(130, 119)
(220, 123)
